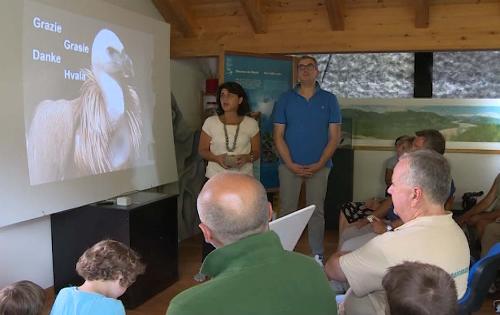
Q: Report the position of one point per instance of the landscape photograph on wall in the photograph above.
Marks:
(466, 124)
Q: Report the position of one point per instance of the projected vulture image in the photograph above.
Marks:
(100, 126)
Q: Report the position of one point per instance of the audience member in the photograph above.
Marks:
(491, 236)
(250, 271)
(434, 140)
(357, 212)
(430, 139)
(306, 133)
(414, 288)
(402, 145)
(22, 298)
(485, 211)
(109, 268)
(383, 218)
(420, 187)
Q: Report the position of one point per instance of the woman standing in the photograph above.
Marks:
(230, 140)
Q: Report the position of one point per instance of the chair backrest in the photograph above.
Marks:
(481, 276)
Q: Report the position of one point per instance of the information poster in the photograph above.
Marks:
(264, 78)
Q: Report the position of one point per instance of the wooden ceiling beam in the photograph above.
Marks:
(298, 30)
(335, 14)
(255, 13)
(175, 12)
(422, 13)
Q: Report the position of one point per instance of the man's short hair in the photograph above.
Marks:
(405, 142)
(434, 140)
(415, 288)
(429, 171)
(110, 260)
(22, 298)
(309, 58)
(230, 225)
(403, 138)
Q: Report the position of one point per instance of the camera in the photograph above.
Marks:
(469, 199)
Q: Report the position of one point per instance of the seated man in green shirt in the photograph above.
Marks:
(250, 271)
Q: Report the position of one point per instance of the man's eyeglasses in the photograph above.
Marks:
(309, 67)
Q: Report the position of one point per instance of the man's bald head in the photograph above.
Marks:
(233, 206)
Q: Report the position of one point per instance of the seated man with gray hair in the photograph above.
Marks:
(419, 189)
(250, 271)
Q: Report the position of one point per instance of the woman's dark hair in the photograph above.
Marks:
(234, 88)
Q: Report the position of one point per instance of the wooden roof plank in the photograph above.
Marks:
(176, 12)
(422, 13)
(255, 12)
(335, 14)
(304, 28)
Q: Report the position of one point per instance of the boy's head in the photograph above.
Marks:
(110, 260)
(22, 298)
(403, 144)
(414, 288)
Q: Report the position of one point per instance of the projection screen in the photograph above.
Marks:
(86, 105)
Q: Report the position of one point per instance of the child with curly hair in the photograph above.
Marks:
(109, 268)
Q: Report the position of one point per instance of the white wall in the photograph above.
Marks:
(369, 174)
(26, 247)
(187, 84)
(471, 172)
(26, 252)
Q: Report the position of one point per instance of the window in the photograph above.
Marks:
(372, 75)
(472, 74)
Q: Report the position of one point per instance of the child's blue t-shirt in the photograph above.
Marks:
(71, 301)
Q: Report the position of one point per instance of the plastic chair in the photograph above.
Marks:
(481, 276)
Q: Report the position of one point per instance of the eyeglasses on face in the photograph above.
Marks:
(309, 67)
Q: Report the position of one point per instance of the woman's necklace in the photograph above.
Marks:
(231, 149)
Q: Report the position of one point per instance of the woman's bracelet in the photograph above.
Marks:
(251, 156)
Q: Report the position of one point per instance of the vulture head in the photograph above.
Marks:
(109, 56)
(111, 67)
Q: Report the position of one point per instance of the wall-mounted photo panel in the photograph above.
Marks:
(467, 124)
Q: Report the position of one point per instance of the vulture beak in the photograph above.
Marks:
(122, 64)
(127, 67)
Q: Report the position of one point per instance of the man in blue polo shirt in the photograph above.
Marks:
(306, 133)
